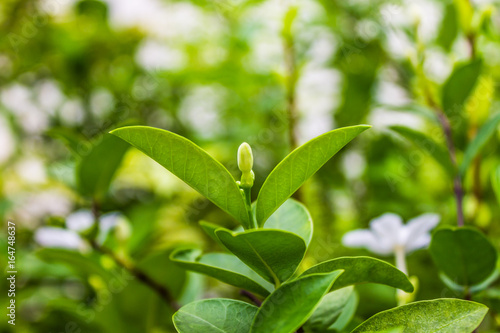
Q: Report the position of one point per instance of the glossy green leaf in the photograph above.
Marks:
(363, 270)
(274, 254)
(224, 267)
(294, 217)
(465, 255)
(441, 315)
(479, 141)
(209, 229)
(434, 149)
(298, 166)
(459, 86)
(330, 310)
(95, 170)
(191, 164)
(217, 315)
(289, 306)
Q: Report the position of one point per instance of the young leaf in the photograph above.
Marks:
(482, 137)
(289, 306)
(298, 166)
(434, 149)
(465, 255)
(363, 270)
(347, 314)
(191, 164)
(273, 254)
(294, 217)
(330, 310)
(96, 169)
(222, 266)
(441, 315)
(459, 86)
(217, 315)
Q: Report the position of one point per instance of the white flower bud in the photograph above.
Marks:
(245, 158)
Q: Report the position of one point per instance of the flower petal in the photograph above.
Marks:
(363, 238)
(388, 229)
(417, 231)
(418, 243)
(58, 237)
(80, 220)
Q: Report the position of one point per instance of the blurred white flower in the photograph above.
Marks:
(59, 238)
(76, 222)
(33, 206)
(31, 170)
(7, 139)
(156, 55)
(388, 235)
(82, 220)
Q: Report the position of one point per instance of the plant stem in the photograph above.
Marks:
(247, 193)
(400, 254)
(130, 267)
(446, 126)
(139, 274)
(457, 182)
(291, 83)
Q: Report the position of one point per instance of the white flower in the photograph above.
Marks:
(59, 238)
(82, 220)
(388, 235)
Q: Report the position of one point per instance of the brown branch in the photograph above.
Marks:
(457, 182)
(140, 275)
(291, 105)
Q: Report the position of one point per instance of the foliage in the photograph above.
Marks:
(107, 240)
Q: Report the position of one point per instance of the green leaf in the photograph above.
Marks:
(209, 229)
(330, 309)
(347, 313)
(482, 137)
(83, 265)
(465, 255)
(459, 86)
(95, 170)
(298, 166)
(217, 315)
(222, 266)
(449, 27)
(434, 149)
(191, 164)
(73, 140)
(495, 182)
(289, 306)
(274, 254)
(294, 217)
(441, 315)
(363, 270)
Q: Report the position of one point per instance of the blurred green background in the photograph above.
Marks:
(220, 73)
